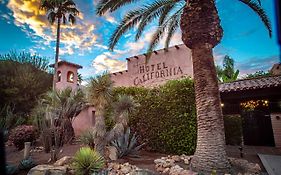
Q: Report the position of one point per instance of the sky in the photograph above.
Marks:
(23, 27)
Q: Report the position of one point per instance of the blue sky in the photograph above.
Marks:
(24, 28)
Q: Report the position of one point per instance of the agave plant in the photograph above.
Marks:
(26, 164)
(126, 144)
(87, 161)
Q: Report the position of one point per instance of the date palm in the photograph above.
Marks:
(60, 11)
(201, 31)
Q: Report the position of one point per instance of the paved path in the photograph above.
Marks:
(272, 163)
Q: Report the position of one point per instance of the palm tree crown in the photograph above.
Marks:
(168, 14)
(59, 9)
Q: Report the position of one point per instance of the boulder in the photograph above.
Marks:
(112, 153)
(48, 170)
(63, 161)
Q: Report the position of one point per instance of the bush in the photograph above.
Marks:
(21, 134)
(87, 161)
(233, 129)
(87, 138)
(166, 118)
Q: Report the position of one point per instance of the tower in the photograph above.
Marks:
(67, 75)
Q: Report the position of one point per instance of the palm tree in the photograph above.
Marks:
(100, 94)
(61, 11)
(227, 73)
(201, 32)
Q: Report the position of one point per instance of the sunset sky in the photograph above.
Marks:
(24, 28)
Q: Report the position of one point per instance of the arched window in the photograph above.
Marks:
(59, 76)
(70, 77)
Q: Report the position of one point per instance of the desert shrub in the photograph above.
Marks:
(233, 129)
(11, 169)
(127, 144)
(21, 134)
(166, 117)
(87, 161)
(26, 164)
(87, 138)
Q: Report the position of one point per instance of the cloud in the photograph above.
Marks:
(253, 65)
(79, 37)
(112, 62)
(106, 61)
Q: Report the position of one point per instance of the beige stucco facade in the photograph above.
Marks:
(163, 65)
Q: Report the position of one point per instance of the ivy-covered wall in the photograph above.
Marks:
(165, 118)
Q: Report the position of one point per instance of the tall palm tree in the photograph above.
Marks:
(201, 31)
(60, 11)
(227, 72)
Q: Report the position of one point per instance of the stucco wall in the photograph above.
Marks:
(84, 120)
(162, 66)
(276, 126)
(63, 84)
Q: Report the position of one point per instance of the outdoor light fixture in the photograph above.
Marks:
(222, 104)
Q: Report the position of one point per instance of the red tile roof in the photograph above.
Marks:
(251, 84)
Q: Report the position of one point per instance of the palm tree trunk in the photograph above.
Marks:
(210, 152)
(57, 54)
(201, 31)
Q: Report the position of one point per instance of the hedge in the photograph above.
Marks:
(165, 119)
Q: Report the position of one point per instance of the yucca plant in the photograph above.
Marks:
(127, 144)
(87, 137)
(87, 161)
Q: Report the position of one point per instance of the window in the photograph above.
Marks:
(70, 77)
(58, 76)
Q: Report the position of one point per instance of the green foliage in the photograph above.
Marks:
(23, 78)
(11, 169)
(87, 137)
(21, 134)
(258, 74)
(233, 129)
(165, 118)
(167, 13)
(127, 144)
(227, 73)
(87, 161)
(26, 164)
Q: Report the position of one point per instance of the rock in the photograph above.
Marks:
(112, 151)
(48, 170)
(176, 158)
(63, 161)
(166, 170)
(176, 170)
(159, 161)
(186, 161)
(125, 169)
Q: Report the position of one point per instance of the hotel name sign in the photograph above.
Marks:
(153, 72)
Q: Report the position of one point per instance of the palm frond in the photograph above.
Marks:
(260, 12)
(173, 26)
(130, 20)
(151, 12)
(111, 5)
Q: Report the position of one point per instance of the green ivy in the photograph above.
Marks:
(166, 116)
